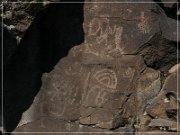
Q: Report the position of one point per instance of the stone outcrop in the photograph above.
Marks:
(122, 78)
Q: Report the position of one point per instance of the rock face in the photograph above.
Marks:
(115, 81)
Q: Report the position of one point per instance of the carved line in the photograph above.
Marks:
(107, 78)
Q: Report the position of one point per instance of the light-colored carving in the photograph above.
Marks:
(100, 30)
(95, 96)
(96, 26)
(62, 94)
(144, 24)
(102, 39)
(128, 73)
(118, 35)
(91, 51)
(98, 85)
(118, 38)
(100, 99)
(106, 77)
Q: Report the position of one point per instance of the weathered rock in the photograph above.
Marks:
(171, 84)
(163, 123)
(166, 104)
(157, 107)
(148, 86)
(155, 53)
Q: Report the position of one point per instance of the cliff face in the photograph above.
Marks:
(122, 76)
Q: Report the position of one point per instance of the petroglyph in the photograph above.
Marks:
(99, 84)
(97, 26)
(89, 49)
(62, 94)
(100, 30)
(128, 73)
(118, 38)
(144, 24)
(107, 78)
(95, 96)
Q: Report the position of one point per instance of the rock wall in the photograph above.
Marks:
(122, 78)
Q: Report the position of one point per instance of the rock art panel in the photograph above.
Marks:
(103, 84)
(106, 90)
(115, 29)
(61, 94)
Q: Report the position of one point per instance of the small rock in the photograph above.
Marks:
(85, 121)
(163, 123)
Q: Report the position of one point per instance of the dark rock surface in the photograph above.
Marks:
(122, 76)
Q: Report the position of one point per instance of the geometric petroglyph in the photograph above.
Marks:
(107, 78)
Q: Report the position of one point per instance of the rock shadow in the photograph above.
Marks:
(54, 31)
